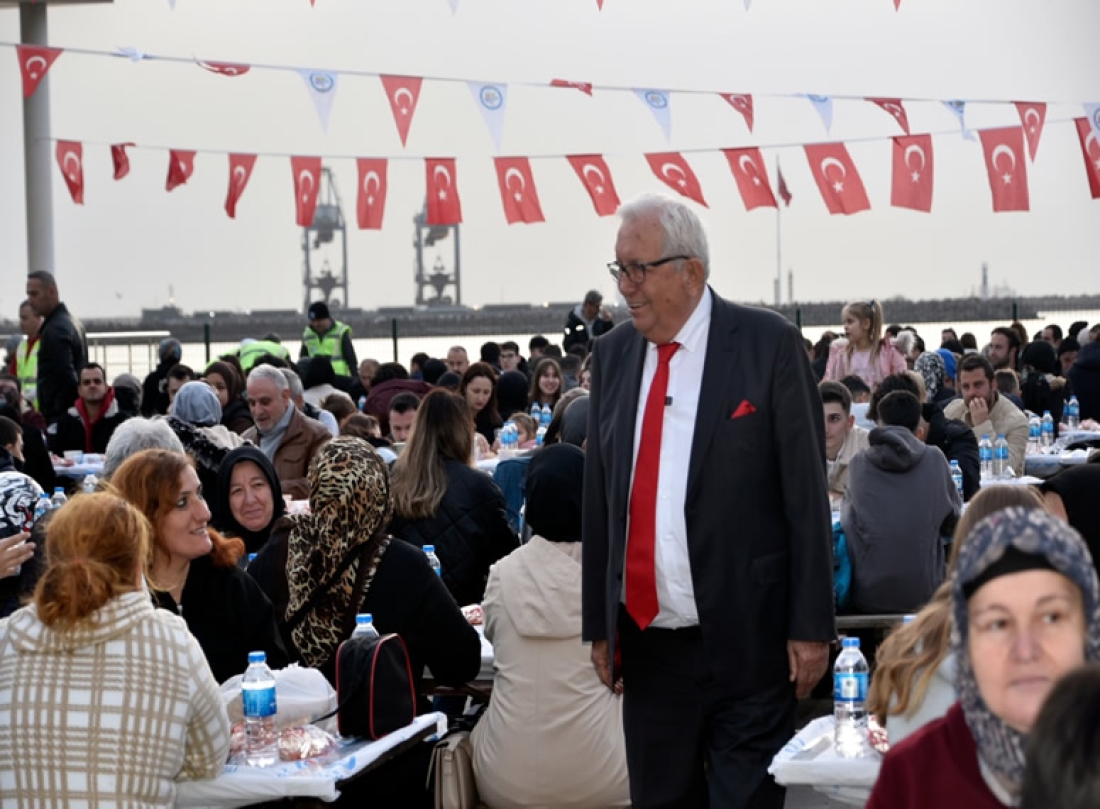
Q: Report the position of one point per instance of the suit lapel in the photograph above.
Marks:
(633, 359)
(721, 360)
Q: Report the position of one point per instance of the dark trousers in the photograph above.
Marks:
(690, 741)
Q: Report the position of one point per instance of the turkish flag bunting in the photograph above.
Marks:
(1032, 115)
(403, 93)
(593, 171)
(1090, 147)
(181, 165)
(781, 183)
(307, 184)
(1004, 160)
(837, 178)
(34, 61)
(912, 186)
(584, 86)
(230, 69)
(120, 159)
(895, 108)
(517, 190)
(444, 206)
(70, 157)
(240, 172)
(742, 102)
(673, 171)
(752, 181)
(371, 202)
(599, 4)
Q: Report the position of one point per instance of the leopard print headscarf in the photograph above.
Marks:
(349, 496)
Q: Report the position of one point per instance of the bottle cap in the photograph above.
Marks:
(364, 618)
(59, 490)
(850, 643)
(257, 657)
(429, 549)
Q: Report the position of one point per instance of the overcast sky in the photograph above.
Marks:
(131, 241)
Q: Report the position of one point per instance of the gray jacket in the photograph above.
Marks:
(900, 503)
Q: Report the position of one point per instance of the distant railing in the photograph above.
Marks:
(115, 350)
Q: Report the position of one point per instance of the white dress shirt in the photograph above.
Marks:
(675, 590)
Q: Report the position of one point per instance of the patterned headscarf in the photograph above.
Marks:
(1034, 532)
(930, 366)
(349, 497)
(18, 497)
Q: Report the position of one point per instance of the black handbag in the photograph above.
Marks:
(374, 686)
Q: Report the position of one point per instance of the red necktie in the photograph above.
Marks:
(641, 577)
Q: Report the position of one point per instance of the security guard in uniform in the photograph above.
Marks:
(325, 337)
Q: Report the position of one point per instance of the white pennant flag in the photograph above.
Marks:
(454, 5)
(1092, 112)
(747, 4)
(491, 99)
(322, 90)
(172, 4)
(658, 103)
(959, 108)
(824, 107)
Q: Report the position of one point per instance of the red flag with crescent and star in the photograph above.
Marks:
(517, 190)
(584, 86)
(1004, 161)
(837, 178)
(672, 170)
(70, 157)
(240, 172)
(307, 184)
(120, 159)
(371, 200)
(596, 177)
(1090, 147)
(1032, 115)
(896, 109)
(752, 181)
(403, 93)
(781, 185)
(181, 165)
(913, 173)
(34, 61)
(742, 102)
(230, 69)
(444, 206)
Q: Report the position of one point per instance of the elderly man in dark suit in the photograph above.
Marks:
(707, 543)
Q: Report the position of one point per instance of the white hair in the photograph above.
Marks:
(134, 435)
(684, 233)
(294, 382)
(271, 374)
(905, 341)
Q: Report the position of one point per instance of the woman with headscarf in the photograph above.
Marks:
(343, 564)
(1026, 608)
(228, 384)
(194, 569)
(249, 497)
(931, 368)
(553, 734)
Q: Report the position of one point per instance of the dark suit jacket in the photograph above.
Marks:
(62, 352)
(303, 437)
(757, 511)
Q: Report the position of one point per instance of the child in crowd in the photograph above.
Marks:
(866, 353)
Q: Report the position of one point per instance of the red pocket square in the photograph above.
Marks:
(744, 409)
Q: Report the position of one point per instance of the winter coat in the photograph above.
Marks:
(937, 699)
(958, 443)
(1084, 376)
(303, 437)
(62, 352)
(69, 432)
(888, 360)
(553, 734)
(237, 417)
(469, 530)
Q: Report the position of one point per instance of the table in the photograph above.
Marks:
(810, 760)
(1026, 480)
(88, 465)
(1044, 465)
(241, 785)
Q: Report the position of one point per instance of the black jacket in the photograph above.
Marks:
(230, 616)
(577, 332)
(237, 417)
(1084, 376)
(958, 443)
(470, 531)
(68, 433)
(154, 393)
(62, 352)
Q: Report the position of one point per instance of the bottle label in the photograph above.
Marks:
(850, 687)
(258, 702)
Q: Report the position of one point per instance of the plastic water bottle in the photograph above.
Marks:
(59, 499)
(1000, 457)
(362, 403)
(433, 560)
(1073, 413)
(540, 436)
(252, 557)
(1047, 438)
(89, 484)
(364, 626)
(957, 478)
(1034, 436)
(849, 699)
(546, 415)
(985, 455)
(508, 436)
(42, 506)
(536, 412)
(258, 697)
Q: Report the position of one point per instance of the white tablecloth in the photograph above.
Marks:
(240, 786)
(91, 465)
(810, 760)
(1025, 480)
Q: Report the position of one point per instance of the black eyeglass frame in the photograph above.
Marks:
(635, 272)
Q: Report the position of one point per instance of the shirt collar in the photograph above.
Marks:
(693, 334)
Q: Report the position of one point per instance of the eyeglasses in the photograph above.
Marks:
(635, 272)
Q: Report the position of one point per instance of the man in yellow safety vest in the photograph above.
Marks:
(25, 365)
(325, 337)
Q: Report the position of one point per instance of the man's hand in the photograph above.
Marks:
(601, 660)
(979, 410)
(808, 660)
(14, 551)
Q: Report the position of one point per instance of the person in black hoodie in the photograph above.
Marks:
(154, 395)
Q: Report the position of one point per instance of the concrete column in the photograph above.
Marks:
(37, 149)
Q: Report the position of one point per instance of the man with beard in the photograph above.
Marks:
(986, 412)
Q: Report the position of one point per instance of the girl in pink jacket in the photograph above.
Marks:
(867, 354)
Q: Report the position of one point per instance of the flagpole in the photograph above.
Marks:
(778, 244)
